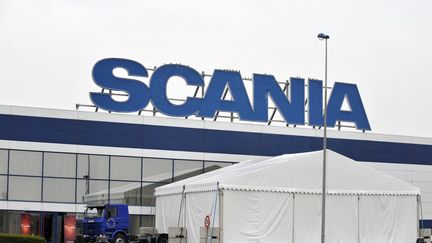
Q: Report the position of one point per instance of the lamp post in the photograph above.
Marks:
(324, 37)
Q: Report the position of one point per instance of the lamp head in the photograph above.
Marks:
(323, 36)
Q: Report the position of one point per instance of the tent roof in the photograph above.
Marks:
(177, 187)
(301, 173)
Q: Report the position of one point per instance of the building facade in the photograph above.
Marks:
(54, 162)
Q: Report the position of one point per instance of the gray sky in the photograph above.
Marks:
(48, 48)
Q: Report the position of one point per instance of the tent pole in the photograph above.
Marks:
(181, 206)
(220, 214)
(418, 216)
(358, 218)
(184, 215)
(418, 221)
(293, 218)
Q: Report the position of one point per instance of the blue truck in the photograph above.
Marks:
(110, 223)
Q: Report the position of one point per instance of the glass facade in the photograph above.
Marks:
(53, 177)
(39, 176)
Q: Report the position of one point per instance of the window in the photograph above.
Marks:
(125, 192)
(157, 170)
(25, 163)
(93, 173)
(10, 221)
(134, 224)
(148, 198)
(111, 212)
(92, 186)
(59, 164)
(3, 187)
(24, 188)
(58, 190)
(125, 168)
(209, 166)
(3, 161)
(185, 168)
(93, 166)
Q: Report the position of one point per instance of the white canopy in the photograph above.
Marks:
(296, 172)
(262, 199)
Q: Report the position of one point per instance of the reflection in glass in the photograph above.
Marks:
(125, 192)
(157, 170)
(24, 188)
(3, 161)
(93, 172)
(93, 166)
(130, 193)
(93, 212)
(187, 168)
(125, 168)
(90, 188)
(59, 164)
(209, 166)
(25, 163)
(3, 187)
(58, 190)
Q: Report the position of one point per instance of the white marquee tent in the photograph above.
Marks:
(279, 200)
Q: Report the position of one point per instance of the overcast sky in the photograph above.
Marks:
(48, 48)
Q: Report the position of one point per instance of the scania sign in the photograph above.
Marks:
(264, 87)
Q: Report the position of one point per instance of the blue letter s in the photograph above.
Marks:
(103, 76)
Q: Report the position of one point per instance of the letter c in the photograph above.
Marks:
(158, 85)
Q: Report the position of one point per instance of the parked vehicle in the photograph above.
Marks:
(110, 223)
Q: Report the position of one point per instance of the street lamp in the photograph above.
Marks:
(324, 37)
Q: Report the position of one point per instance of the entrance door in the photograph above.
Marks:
(53, 227)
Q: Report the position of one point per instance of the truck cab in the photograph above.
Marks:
(106, 223)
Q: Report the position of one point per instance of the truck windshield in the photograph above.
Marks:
(93, 212)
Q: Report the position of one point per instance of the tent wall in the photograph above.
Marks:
(342, 218)
(256, 216)
(167, 211)
(198, 206)
(388, 219)
(307, 218)
(250, 216)
(195, 208)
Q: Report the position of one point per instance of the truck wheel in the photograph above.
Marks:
(162, 239)
(119, 238)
